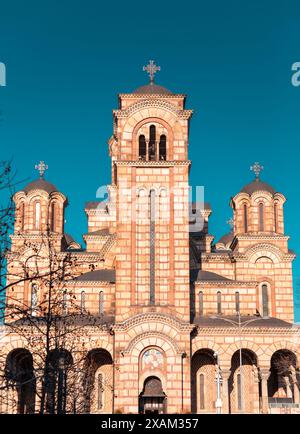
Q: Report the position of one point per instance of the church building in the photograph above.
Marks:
(153, 315)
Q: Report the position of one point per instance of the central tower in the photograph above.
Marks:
(150, 168)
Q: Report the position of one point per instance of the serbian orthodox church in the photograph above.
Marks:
(153, 315)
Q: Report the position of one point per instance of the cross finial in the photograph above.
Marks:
(256, 168)
(152, 69)
(230, 222)
(41, 167)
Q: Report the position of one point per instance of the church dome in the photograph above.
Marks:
(40, 184)
(227, 238)
(257, 185)
(152, 88)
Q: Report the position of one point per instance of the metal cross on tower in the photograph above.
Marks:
(256, 168)
(230, 222)
(152, 69)
(41, 167)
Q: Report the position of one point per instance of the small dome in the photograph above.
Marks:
(227, 238)
(196, 275)
(103, 275)
(257, 185)
(40, 184)
(152, 88)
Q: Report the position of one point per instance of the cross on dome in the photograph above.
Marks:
(256, 168)
(152, 69)
(41, 167)
(230, 222)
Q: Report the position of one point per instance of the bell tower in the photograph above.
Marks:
(150, 168)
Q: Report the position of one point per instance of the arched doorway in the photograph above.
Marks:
(59, 364)
(20, 380)
(98, 382)
(244, 385)
(283, 385)
(152, 399)
(203, 382)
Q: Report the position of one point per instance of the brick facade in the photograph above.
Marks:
(163, 296)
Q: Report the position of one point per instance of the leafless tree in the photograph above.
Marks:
(52, 326)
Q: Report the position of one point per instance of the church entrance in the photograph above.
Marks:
(152, 400)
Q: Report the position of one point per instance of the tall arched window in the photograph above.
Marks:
(261, 217)
(275, 217)
(65, 303)
(152, 143)
(201, 392)
(245, 218)
(239, 391)
(201, 303)
(163, 147)
(100, 391)
(37, 215)
(265, 299)
(219, 303)
(34, 299)
(101, 302)
(22, 216)
(237, 302)
(82, 302)
(53, 217)
(142, 147)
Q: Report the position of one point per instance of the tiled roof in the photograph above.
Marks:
(40, 184)
(257, 185)
(254, 321)
(152, 88)
(104, 275)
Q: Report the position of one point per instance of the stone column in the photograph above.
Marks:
(225, 390)
(255, 397)
(38, 391)
(295, 387)
(264, 375)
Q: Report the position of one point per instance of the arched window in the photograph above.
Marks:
(275, 217)
(34, 299)
(219, 303)
(163, 147)
(101, 302)
(265, 300)
(201, 392)
(100, 391)
(261, 217)
(22, 216)
(237, 302)
(53, 217)
(201, 303)
(239, 391)
(82, 302)
(65, 303)
(152, 143)
(142, 147)
(245, 218)
(37, 215)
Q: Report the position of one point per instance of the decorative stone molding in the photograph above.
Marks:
(160, 163)
(152, 103)
(154, 317)
(155, 335)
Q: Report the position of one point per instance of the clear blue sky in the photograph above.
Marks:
(67, 60)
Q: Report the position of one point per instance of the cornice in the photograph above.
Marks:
(168, 163)
(225, 283)
(44, 235)
(262, 236)
(288, 331)
(151, 96)
(93, 283)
